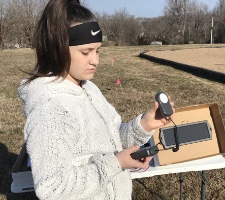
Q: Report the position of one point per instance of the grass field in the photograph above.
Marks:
(140, 80)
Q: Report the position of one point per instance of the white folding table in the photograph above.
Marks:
(209, 163)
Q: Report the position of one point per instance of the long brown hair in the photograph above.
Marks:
(51, 38)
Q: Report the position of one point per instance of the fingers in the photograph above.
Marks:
(146, 159)
(156, 105)
(132, 149)
(166, 120)
(127, 162)
(143, 163)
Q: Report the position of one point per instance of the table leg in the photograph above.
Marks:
(203, 187)
(181, 182)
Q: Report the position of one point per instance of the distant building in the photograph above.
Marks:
(156, 43)
(17, 45)
(104, 38)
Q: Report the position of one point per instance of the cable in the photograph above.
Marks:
(175, 149)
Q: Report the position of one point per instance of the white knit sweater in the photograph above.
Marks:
(72, 134)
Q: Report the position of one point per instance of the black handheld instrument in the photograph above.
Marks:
(164, 104)
(145, 152)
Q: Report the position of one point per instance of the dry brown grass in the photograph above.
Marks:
(140, 80)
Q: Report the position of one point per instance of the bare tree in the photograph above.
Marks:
(219, 16)
(120, 27)
(84, 3)
(198, 22)
(155, 29)
(5, 21)
(26, 15)
(176, 12)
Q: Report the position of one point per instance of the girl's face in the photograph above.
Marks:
(84, 60)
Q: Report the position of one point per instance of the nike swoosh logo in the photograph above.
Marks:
(95, 33)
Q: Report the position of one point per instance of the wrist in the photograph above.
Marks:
(146, 125)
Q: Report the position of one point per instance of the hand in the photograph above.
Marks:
(153, 118)
(127, 162)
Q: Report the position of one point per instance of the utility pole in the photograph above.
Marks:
(189, 33)
(212, 31)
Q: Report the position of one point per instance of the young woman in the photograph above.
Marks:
(78, 145)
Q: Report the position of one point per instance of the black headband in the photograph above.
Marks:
(86, 33)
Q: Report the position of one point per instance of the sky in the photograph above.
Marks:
(138, 8)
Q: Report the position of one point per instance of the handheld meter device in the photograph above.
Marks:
(164, 104)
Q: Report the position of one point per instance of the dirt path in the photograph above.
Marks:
(210, 58)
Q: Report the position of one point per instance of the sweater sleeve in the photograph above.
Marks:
(49, 135)
(132, 132)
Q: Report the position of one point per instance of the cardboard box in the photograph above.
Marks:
(21, 174)
(203, 149)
